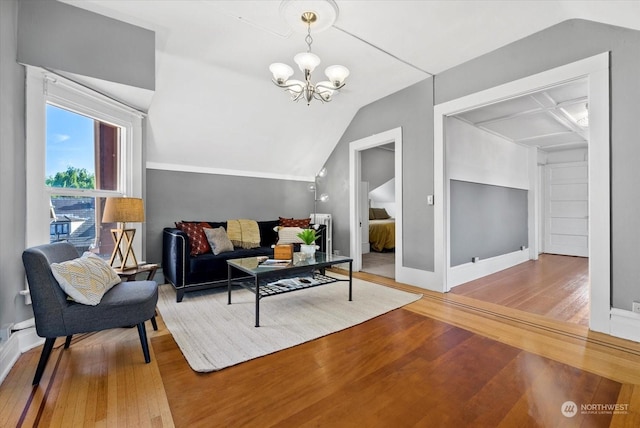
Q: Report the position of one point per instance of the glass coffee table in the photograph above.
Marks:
(270, 278)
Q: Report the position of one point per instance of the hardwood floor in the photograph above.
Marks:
(554, 286)
(445, 360)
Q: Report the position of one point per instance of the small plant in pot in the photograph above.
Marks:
(308, 236)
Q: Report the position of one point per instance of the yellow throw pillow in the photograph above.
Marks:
(85, 279)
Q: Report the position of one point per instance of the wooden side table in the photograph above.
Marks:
(131, 273)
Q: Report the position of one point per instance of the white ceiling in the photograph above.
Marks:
(551, 120)
(215, 108)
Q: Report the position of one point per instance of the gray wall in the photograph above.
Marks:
(61, 37)
(562, 44)
(486, 221)
(12, 170)
(412, 110)
(377, 166)
(174, 196)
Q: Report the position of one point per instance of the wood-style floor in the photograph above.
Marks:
(554, 286)
(444, 361)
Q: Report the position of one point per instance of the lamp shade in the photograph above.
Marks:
(337, 74)
(123, 210)
(307, 61)
(281, 72)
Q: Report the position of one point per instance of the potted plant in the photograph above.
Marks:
(308, 236)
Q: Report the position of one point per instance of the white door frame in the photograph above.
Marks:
(355, 174)
(596, 69)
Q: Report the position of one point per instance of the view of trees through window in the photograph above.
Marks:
(82, 162)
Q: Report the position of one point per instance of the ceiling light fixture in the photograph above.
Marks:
(307, 62)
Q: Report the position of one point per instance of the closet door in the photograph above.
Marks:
(567, 209)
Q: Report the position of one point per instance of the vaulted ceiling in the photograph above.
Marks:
(215, 109)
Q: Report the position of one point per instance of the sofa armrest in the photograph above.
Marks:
(175, 255)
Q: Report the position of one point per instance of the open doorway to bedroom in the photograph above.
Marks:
(378, 199)
(375, 181)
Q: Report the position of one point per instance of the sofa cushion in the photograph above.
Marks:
(197, 238)
(212, 262)
(218, 240)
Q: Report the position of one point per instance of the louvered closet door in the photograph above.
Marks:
(567, 209)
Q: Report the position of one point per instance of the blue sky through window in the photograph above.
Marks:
(70, 141)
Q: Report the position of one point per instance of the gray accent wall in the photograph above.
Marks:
(411, 109)
(486, 221)
(12, 170)
(175, 196)
(58, 36)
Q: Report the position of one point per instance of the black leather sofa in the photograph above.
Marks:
(189, 273)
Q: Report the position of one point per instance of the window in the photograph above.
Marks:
(81, 153)
(82, 147)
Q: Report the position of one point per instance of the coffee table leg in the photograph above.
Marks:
(257, 303)
(229, 284)
(350, 280)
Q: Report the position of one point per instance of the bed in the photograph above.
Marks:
(382, 230)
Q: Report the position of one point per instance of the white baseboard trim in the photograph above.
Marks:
(625, 324)
(469, 271)
(419, 278)
(9, 354)
(19, 342)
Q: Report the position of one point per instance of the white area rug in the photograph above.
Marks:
(213, 335)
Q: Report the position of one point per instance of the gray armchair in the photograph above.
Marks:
(126, 304)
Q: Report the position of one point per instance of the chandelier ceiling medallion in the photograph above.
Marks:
(308, 61)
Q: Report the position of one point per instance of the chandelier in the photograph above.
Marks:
(307, 62)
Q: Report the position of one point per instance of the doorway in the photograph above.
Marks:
(358, 205)
(595, 70)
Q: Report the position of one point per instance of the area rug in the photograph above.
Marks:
(213, 335)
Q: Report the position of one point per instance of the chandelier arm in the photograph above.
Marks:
(333, 88)
(284, 85)
(317, 96)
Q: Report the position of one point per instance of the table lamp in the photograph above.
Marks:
(123, 210)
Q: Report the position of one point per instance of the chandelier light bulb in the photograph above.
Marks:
(324, 197)
(323, 172)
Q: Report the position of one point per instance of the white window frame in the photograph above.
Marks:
(44, 87)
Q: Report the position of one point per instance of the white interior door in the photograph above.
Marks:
(567, 209)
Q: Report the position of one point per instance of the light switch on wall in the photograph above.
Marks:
(429, 199)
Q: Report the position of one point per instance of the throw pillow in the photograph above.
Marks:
(372, 215)
(295, 222)
(380, 213)
(289, 235)
(85, 279)
(218, 240)
(197, 238)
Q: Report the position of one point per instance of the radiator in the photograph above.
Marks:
(328, 236)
